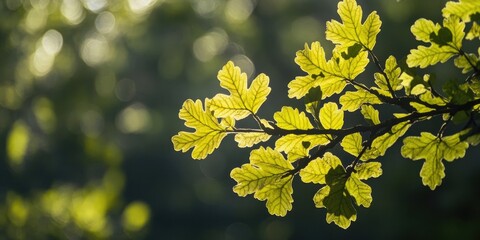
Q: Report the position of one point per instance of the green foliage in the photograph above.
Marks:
(306, 140)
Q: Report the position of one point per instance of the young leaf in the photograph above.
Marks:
(433, 149)
(290, 118)
(351, 30)
(208, 131)
(331, 117)
(368, 170)
(385, 141)
(265, 176)
(341, 191)
(423, 28)
(393, 72)
(250, 139)
(242, 101)
(293, 145)
(321, 73)
(426, 56)
(370, 114)
(462, 9)
(352, 101)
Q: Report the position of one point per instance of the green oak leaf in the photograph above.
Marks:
(208, 134)
(341, 192)
(250, 139)
(433, 150)
(351, 30)
(370, 114)
(393, 72)
(242, 101)
(446, 42)
(265, 177)
(290, 118)
(353, 100)
(462, 9)
(331, 117)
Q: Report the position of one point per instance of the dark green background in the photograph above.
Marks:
(157, 59)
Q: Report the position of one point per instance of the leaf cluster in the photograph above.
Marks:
(304, 139)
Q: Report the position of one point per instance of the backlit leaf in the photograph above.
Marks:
(370, 114)
(330, 116)
(352, 101)
(422, 28)
(265, 177)
(208, 131)
(433, 150)
(462, 9)
(242, 101)
(385, 141)
(393, 72)
(250, 139)
(351, 30)
(290, 118)
(427, 56)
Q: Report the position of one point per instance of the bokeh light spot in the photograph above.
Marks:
(95, 5)
(43, 110)
(135, 216)
(17, 143)
(238, 11)
(95, 50)
(141, 6)
(105, 22)
(211, 44)
(204, 8)
(52, 42)
(134, 119)
(73, 12)
(18, 209)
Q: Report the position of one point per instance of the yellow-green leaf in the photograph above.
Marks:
(265, 176)
(208, 131)
(368, 170)
(320, 73)
(352, 101)
(422, 28)
(352, 67)
(312, 59)
(371, 28)
(360, 191)
(295, 143)
(250, 139)
(370, 114)
(457, 28)
(462, 9)
(300, 86)
(393, 72)
(242, 101)
(352, 144)
(385, 141)
(426, 56)
(463, 63)
(433, 149)
(317, 169)
(474, 32)
(331, 117)
(290, 118)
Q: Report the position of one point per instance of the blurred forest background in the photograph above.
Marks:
(89, 98)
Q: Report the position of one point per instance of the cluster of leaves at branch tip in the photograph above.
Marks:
(304, 141)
